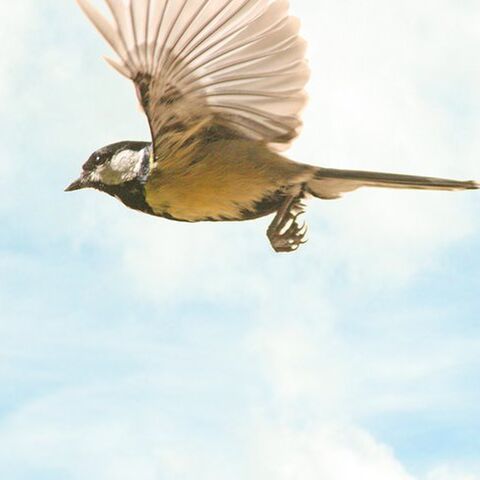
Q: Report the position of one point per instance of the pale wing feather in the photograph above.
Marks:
(240, 62)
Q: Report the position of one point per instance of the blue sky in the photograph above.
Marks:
(131, 347)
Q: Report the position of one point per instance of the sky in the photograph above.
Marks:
(134, 347)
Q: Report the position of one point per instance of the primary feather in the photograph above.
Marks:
(238, 64)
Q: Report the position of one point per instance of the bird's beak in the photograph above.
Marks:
(77, 184)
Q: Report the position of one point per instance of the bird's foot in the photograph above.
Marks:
(285, 233)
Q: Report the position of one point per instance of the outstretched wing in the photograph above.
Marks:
(210, 67)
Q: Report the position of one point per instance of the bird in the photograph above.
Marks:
(223, 86)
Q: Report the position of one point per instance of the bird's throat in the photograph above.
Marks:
(131, 194)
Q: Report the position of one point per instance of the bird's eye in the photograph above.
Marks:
(93, 162)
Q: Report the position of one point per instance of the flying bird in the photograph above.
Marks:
(222, 85)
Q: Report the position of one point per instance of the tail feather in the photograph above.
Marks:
(330, 183)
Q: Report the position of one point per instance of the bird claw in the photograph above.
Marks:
(285, 234)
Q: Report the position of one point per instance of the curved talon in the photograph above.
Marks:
(292, 230)
(285, 234)
(295, 217)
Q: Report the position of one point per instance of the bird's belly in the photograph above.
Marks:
(197, 203)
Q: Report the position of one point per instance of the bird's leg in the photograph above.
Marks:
(285, 233)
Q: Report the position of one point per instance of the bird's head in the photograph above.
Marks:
(111, 166)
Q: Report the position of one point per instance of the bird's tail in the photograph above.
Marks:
(329, 183)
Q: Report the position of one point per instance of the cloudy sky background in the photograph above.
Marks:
(131, 347)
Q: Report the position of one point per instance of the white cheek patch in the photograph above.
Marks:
(123, 167)
(125, 161)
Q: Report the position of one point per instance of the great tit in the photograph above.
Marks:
(222, 85)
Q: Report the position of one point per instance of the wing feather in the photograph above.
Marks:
(235, 63)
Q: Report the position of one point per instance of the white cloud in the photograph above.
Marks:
(81, 433)
(449, 473)
(329, 454)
